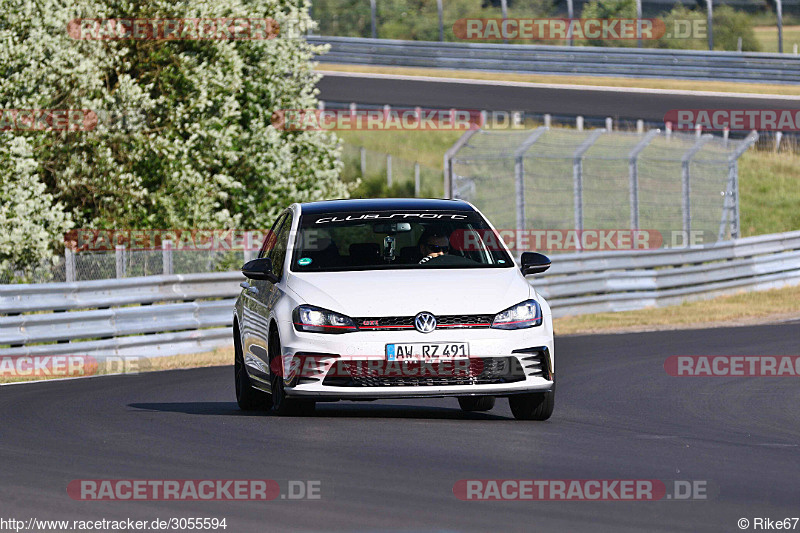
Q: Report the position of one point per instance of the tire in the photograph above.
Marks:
(248, 398)
(281, 405)
(534, 406)
(476, 403)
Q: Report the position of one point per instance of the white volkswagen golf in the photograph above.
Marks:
(391, 298)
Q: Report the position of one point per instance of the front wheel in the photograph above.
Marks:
(282, 405)
(248, 398)
(476, 403)
(533, 406)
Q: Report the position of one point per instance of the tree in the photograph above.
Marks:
(610, 9)
(183, 138)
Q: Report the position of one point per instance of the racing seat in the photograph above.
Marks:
(409, 255)
(365, 253)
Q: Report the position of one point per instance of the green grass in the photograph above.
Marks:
(769, 187)
(768, 37)
(757, 307)
(426, 147)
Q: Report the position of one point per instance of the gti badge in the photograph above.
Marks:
(425, 322)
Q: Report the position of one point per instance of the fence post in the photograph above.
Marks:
(448, 163)
(441, 19)
(570, 15)
(779, 13)
(577, 177)
(686, 185)
(733, 176)
(504, 14)
(363, 162)
(373, 23)
(166, 257)
(247, 252)
(519, 182)
(579, 123)
(388, 170)
(119, 252)
(638, 23)
(416, 179)
(633, 176)
(548, 119)
(69, 264)
(709, 20)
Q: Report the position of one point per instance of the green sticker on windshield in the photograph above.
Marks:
(304, 261)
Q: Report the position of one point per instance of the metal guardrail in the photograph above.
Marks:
(167, 315)
(593, 282)
(541, 59)
(146, 316)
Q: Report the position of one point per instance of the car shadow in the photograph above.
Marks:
(197, 408)
(324, 410)
(361, 410)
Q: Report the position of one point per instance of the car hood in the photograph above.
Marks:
(375, 293)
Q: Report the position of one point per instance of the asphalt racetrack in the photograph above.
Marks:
(619, 103)
(392, 465)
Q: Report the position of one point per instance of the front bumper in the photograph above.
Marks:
(533, 370)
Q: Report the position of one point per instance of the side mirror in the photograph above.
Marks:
(533, 263)
(260, 269)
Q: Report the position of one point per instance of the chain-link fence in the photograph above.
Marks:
(124, 263)
(567, 179)
(402, 177)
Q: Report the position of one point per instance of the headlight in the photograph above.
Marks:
(318, 320)
(524, 315)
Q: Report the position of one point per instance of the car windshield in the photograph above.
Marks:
(396, 240)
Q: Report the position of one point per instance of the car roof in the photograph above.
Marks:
(385, 204)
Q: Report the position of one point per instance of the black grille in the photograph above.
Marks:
(478, 371)
(407, 322)
(386, 322)
(536, 362)
(465, 321)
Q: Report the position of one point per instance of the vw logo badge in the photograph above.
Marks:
(425, 322)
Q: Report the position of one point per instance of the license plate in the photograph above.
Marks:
(422, 351)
